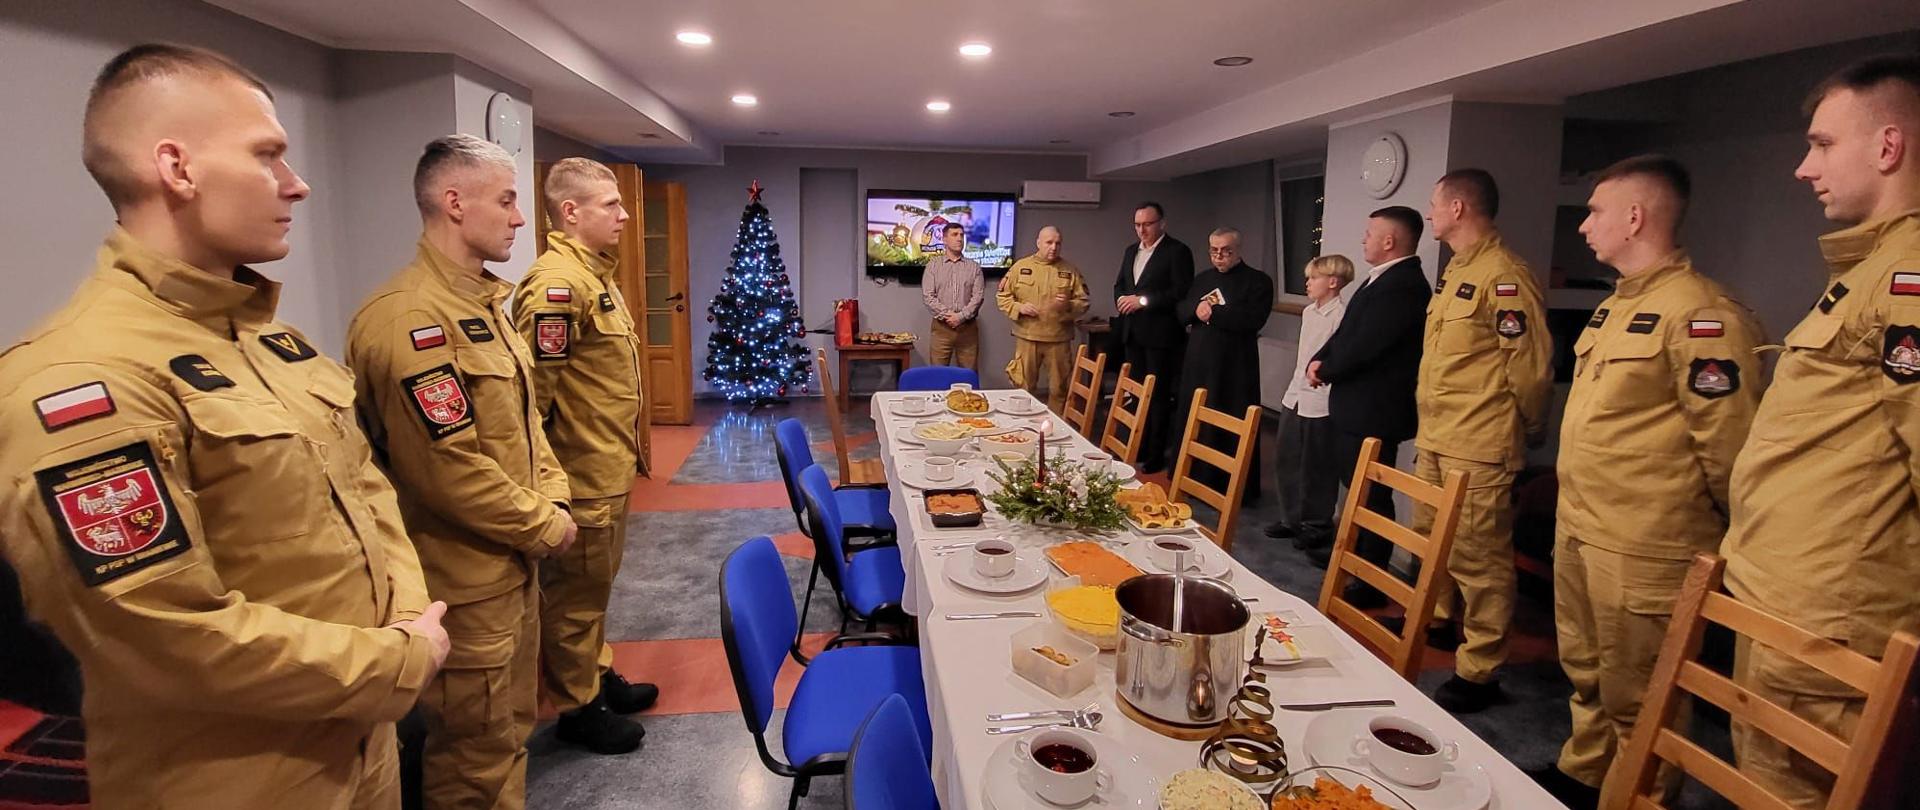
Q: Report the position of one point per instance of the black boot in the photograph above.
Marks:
(599, 730)
(1461, 696)
(1280, 530)
(1573, 793)
(626, 698)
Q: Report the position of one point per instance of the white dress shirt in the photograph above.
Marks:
(1374, 274)
(1317, 323)
(1140, 259)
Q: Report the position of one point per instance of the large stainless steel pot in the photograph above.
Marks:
(1187, 677)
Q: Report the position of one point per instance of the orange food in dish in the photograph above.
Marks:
(1092, 563)
(953, 503)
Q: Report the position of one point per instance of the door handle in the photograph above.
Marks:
(676, 296)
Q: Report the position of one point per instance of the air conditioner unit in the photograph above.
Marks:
(1059, 194)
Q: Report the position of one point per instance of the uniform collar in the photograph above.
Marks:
(483, 288)
(1486, 245)
(1035, 258)
(600, 264)
(188, 290)
(1845, 248)
(1673, 266)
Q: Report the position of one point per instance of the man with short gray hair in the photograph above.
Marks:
(1043, 294)
(445, 393)
(1225, 311)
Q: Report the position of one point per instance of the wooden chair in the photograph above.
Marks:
(1244, 430)
(852, 473)
(1884, 682)
(1083, 399)
(1134, 420)
(1402, 649)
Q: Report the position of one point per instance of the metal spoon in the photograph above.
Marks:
(1089, 721)
(1010, 716)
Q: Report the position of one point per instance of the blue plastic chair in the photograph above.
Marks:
(864, 509)
(937, 378)
(867, 582)
(840, 687)
(887, 769)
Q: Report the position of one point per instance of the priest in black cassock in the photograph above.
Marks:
(1225, 309)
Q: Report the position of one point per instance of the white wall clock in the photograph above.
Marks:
(1383, 165)
(504, 123)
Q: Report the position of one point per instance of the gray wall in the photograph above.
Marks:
(550, 146)
(1428, 133)
(1520, 145)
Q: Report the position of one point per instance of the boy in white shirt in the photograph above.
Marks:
(1308, 489)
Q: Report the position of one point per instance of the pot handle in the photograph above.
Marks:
(1140, 631)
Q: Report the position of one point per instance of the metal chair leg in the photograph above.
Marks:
(806, 604)
(799, 789)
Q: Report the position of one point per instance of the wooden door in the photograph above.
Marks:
(630, 275)
(667, 324)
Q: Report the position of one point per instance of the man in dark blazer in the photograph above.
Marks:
(1154, 276)
(1373, 363)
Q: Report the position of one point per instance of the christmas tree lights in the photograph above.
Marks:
(754, 353)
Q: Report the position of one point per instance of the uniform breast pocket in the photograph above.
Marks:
(1461, 332)
(256, 476)
(612, 323)
(1632, 374)
(493, 385)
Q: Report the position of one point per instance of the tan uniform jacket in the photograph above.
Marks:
(1826, 530)
(1486, 362)
(444, 396)
(1036, 282)
(191, 509)
(1665, 385)
(586, 365)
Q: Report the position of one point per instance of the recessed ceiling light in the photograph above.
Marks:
(1059, 140)
(697, 39)
(975, 49)
(745, 99)
(1233, 61)
(1121, 114)
(938, 106)
(768, 132)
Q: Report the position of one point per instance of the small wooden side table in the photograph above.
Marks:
(900, 353)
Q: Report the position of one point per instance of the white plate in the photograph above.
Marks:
(1027, 574)
(1463, 785)
(1210, 562)
(1311, 642)
(1378, 785)
(1006, 788)
(916, 477)
(899, 408)
(1006, 407)
(905, 436)
(949, 409)
(1186, 526)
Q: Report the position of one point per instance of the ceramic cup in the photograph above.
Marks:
(1165, 550)
(1022, 402)
(914, 405)
(1097, 461)
(960, 387)
(1386, 742)
(993, 558)
(1055, 786)
(940, 468)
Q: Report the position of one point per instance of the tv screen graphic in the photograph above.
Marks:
(904, 229)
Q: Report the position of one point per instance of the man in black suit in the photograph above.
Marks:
(1373, 362)
(1154, 277)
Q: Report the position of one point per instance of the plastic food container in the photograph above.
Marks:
(952, 520)
(1048, 674)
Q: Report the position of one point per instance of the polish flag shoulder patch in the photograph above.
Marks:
(1506, 289)
(428, 337)
(560, 295)
(1702, 329)
(1905, 284)
(74, 405)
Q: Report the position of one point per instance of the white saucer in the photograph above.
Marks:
(1463, 784)
(1207, 561)
(916, 477)
(1039, 408)
(905, 436)
(1132, 788)
(1027, 574)
(899, 408)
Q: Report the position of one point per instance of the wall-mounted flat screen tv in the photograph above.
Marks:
(904, 230)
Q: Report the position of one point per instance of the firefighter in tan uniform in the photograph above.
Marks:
(1482, 396)
(1665, 386)
(1043, 295)
(187, 501)
(1826, 527)
(445, 392)
(587, 382)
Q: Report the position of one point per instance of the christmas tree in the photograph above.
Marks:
(754, 354)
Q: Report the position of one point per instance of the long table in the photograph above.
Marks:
(968, 674)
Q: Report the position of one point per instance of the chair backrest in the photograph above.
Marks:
(829, 532)
(887, 768)
(937, 378)
(794, 451)
(1677, 674)
(1401, 650)
(1140, 395)
(832, 396)
(1227, 504)
(757, 625)
(1083, 398)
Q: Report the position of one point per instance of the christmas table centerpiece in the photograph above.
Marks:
(1056, 492)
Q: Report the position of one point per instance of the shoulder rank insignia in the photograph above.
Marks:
(199, 373)
(550, 336)
(1464, 291)
(1706, 329)
(606, 302)
(74, 405)
(1905, 284)
(1833, 296)
(440, 400)
(1900, 358)
(560, 295)
(427, 337)
(289, 346)
(1643, 323)
(1599, 318)
(114, 510)
(1510, 323)
(476, 330)
(1714, 377)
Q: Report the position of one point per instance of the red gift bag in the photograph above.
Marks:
(846, 321)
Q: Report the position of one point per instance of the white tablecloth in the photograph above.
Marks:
(968, 674)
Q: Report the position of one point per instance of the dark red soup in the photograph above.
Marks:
(1405, 741)
(1062, 758)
